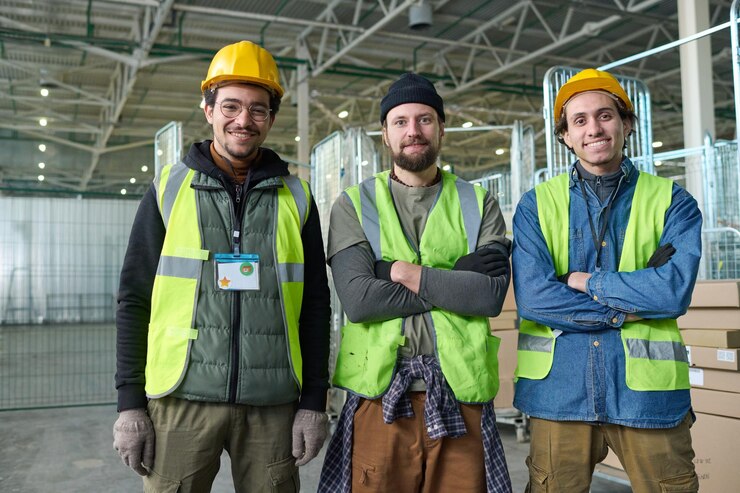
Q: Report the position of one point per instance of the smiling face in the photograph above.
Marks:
(413, 133)
(239, 138)
(595, 131)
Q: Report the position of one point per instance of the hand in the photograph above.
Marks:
(488, 261)
(309, 433)
(383, 269)
(133, 438)
(661, 255)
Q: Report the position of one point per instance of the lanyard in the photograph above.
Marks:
(598, 240)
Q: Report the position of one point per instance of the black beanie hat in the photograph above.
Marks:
(411, 88)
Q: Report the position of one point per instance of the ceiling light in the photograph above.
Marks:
(132, 180)
(658, 163)
(144, 168)
(43, 122)
(447, 167)
(297, 138)
(420, 16)
(467, 124)
(41, 177)
(44, 92)
(42, 165)
(657, 144)
(500, 151)
(364, 162)
(343, 114)
(123, 191)
(42, 147)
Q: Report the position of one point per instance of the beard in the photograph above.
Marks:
(417, 162)
(236, 151)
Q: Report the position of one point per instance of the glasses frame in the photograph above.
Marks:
(241, 105)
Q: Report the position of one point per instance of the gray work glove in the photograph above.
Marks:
(309, 433)
(133, 438)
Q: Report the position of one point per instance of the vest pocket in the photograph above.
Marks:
(367, 356)
(655, 357)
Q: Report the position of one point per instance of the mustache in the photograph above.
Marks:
(416, 141)
(249, 128)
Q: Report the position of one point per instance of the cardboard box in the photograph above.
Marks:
(727, 381)
(509, 301)
(716, 294)
(710, 318)
(717, 450)
(505, 397)
(720, 359)
(507, 352)
(711, 338)
(507, 320)
(716, 402)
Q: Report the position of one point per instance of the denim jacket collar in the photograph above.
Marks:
(626, 166)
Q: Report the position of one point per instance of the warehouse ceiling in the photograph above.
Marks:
(116, 71)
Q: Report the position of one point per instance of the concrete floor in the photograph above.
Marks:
(69, 450)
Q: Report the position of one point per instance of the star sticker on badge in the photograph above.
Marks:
(224, 282)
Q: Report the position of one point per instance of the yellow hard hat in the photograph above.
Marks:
(589, 79)
(247, 62)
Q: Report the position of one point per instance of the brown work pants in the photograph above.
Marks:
(400, 457)
(190, 437)
(563, 454)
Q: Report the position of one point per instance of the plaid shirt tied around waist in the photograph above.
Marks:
(441, 416)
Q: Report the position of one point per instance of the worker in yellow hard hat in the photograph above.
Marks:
(605, 259)
(223, 308)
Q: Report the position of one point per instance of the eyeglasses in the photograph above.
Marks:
(232, 109)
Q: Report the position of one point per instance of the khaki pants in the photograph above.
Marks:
(563, 454)
(400, 457)
(190, 436)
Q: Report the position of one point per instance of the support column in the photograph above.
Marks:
(697, 91)
(302, 98)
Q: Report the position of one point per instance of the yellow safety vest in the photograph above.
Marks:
(655, 356)
(465, 348)
(175, 292)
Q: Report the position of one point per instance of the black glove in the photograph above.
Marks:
(661, 256)
(564, 277)
(383, 269)
(486, 261)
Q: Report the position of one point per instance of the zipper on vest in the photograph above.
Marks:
(236, 317)
(236, 218)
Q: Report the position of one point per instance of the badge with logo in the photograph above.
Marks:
(237, 272)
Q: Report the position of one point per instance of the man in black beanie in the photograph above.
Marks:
(420, 261)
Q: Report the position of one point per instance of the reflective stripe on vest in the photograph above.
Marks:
(466, 350)
(655, 356)
(174, 296)
(293, 208)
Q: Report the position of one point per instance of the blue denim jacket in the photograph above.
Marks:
(587, 379)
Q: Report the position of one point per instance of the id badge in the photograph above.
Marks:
(237, 272)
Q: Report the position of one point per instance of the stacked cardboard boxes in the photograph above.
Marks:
(711, 332)
(506, 328)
